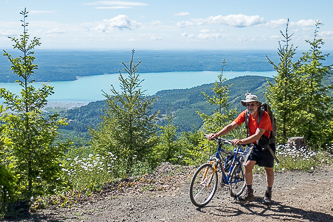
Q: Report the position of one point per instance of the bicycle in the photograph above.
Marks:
(205, 179)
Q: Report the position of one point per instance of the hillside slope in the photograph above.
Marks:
(183, 103)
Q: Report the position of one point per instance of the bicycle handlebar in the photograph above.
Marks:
(225, 141)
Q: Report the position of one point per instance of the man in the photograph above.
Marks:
(259, 156)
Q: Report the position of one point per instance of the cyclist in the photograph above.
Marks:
(259, 156)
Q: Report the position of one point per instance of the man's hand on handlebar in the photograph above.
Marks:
(211, 136)
(235, 142)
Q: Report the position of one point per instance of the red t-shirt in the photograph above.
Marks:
(265, 122)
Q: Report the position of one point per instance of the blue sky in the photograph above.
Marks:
(167, 24)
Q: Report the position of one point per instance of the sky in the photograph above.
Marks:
(167, 24)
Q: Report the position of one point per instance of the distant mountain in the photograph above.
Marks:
(184, 103)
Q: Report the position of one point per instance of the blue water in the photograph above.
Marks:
(88, 89)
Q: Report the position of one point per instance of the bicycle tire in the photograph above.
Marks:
(203, 185)
(236, 180)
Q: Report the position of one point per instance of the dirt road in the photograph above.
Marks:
(297, 196)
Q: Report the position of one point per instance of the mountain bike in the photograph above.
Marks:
(205, 180)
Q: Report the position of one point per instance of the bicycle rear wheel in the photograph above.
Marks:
(236, 180)
(203, 185)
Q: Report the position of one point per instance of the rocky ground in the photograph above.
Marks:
(163, 196)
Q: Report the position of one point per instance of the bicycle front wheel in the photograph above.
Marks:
(203, 185)
(236, 180)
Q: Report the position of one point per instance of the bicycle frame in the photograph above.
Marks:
(217, 158)
(205, 179)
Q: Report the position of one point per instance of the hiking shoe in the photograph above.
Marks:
(267, 198)
(248, 196)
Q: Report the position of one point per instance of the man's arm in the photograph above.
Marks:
(256, 136)
(222, 132)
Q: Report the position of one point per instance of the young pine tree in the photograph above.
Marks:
(29, 134)
(316, 101)
(220, 118)
(222, 114)
(283, 93)
(128, 128)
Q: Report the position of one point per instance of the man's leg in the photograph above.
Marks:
(248, 179)
(269, 176)
(248, 171)
(269, 184)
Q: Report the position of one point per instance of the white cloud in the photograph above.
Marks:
(276, 23)
(326, 34)
(181, 14)
(231, 20)
(120, 22)
(303, 23)
(115, 4)
(208, 34)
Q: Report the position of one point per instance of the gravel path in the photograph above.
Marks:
(297, 196)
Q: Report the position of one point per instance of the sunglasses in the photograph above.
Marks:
(250, 105)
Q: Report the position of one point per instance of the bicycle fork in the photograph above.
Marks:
(204, 179)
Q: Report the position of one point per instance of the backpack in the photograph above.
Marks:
(263, 140)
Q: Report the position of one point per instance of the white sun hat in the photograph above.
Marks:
(249, 98)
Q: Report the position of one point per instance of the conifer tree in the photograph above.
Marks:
(222, 114)
(128, 129)
(28, 134)
(169, 148)
(283, 93)
(316, 99)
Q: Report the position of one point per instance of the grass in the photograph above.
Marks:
(88, 174)
(302, 159)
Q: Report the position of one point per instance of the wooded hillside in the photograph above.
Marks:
(182, 103)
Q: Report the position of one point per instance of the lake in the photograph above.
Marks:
(88, 89)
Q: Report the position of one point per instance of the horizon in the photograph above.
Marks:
(167, 25)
